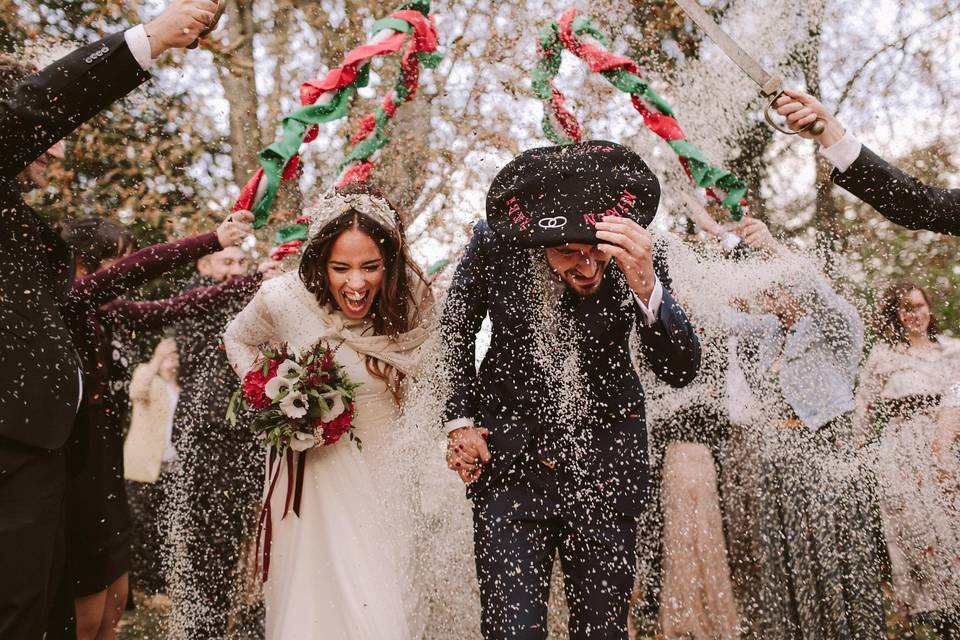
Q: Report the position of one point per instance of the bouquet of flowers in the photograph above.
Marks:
(298, 401)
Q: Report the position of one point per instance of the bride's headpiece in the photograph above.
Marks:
(333, 205)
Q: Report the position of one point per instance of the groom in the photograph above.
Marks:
(550, 433)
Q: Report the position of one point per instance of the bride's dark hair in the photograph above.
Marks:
(395, 309)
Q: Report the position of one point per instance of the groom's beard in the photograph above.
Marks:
(585, 282)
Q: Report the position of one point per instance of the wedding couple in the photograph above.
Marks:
(549, 433)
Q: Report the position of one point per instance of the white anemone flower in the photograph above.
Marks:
(302, 441)
(336, 406)
(289, 369)
(294, 405)
(277, 385)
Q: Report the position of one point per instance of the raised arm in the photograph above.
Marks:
(152, 262)
(141, 267)
(51, 103)
(670, 345)
(901, 198)
(196, 303)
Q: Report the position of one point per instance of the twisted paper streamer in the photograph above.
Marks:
(580, 37)
(409, 29)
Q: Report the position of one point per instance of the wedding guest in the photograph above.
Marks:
(798, 505)
(98, 526)
(689, 588)
(898, 196)
(946, 447)
(220, 466)
(898, 403)
(36, 111)
(148, 461)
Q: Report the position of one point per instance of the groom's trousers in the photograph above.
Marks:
(536, 512)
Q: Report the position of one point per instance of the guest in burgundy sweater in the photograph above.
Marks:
(98, 523)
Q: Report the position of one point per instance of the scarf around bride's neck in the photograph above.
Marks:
(401, 352)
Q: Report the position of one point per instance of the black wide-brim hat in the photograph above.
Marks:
(550, 196)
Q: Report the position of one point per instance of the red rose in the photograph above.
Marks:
(327, 362)
(254, 383)
(334, 430)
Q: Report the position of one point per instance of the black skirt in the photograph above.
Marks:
(98, 523)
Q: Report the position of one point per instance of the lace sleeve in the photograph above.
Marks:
(245, 334)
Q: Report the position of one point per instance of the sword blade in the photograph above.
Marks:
(770, 85)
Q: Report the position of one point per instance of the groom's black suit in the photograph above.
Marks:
(576, 489)
(39, 379)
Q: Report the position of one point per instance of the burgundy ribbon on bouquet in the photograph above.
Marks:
(294, 494)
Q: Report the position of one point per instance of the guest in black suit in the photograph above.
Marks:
(550, 433)
(900, 198)
(40, 380)
(220, 477)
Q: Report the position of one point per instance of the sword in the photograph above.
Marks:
(771, 86)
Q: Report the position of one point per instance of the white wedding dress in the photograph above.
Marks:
(343, 568)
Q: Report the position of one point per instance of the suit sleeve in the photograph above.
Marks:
(51, 103)
(670, 345)
(899, 197)
(196, 303)
(463, 313)
(139, 268)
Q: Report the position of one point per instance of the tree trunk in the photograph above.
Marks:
(240, 89)
(826, 214)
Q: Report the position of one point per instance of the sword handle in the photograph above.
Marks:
(816, 127)
(221, 5)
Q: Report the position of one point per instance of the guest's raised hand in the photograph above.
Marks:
(269, 269)
(164, 348)
(467, 452)
(632, 247)
(699, 215)
(180, 24)
(756, 234)
(234, 228)
(801, 110)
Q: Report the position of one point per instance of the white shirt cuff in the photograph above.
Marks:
(651, 310)
(843, 152)
(139, 45)
(458, 423)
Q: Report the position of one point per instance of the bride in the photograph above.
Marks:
(338, 570)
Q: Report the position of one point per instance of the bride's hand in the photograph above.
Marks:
(467, 452)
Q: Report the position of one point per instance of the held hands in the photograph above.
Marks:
(234, 229)
(632, 246)
(467, 452)
(180, 24)
(801, 109)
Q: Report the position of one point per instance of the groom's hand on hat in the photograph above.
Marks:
(631, 246)
(467, 452)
